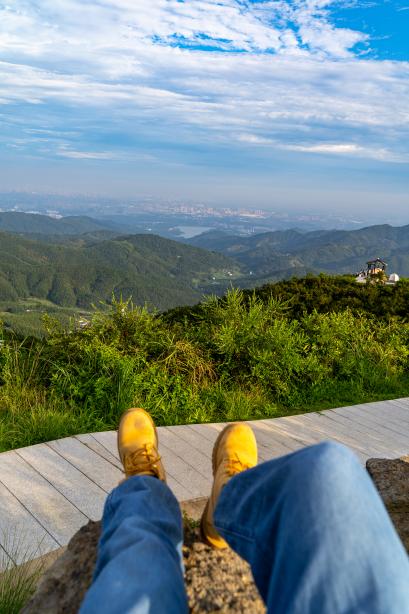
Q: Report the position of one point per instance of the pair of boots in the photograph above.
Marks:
(234, 451)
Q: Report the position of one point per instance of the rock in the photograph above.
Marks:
(216, 581)
(391, 478)
(64, 585)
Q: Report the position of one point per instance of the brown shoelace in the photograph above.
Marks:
(144, 460)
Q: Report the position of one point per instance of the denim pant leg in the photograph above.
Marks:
(316, 534)
(139, 565)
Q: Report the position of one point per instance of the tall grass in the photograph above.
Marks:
(18, 581)
(235, 358)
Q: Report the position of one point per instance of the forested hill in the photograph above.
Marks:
(36, 224)
(150, 269)
(275, 255)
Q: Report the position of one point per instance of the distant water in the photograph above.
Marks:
(192, 231)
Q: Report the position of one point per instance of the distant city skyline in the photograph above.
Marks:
(273, 105)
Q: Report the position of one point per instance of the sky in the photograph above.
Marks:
(300, 104)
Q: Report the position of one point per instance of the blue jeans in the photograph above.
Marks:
(311, 525)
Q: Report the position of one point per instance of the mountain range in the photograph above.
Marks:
(277, 255)
(77, 261)
(148, 268)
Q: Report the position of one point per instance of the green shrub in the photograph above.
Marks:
(236, 358)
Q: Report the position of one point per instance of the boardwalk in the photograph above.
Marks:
(48, 491)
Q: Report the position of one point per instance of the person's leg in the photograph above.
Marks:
(316, 534)
(139, 566)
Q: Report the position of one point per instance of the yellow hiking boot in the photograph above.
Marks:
(138, 445)
(234, 451)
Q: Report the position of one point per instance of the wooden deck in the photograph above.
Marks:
(48, 491)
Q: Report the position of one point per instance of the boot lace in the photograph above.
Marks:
(144, 460)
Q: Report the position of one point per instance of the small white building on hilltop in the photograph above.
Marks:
(393, 279)
(376, 273)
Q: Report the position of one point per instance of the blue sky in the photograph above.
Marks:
(281, 104)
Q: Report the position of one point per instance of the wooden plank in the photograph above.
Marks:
(210, 431)
(311, 433)
(402, 404)
(373, 421)
(195, 439)
(364, 422)
(268, 446)
(315, 422)
(290, 442)
(391, 411)
(179, 490)
(401, 399)
(384, 413)
(196, 459)
(100, 471)
(22, 537)
(90, 441)
(300, 432)
(179, 479)
(271, 442)
(71, 483)
(187, 476)
(52, 510)
(109, 442)
(107, 439)
(387, 445)
(356, 437)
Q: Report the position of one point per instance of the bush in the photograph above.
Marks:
(235, 358)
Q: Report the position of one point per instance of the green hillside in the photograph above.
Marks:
(277, 255)
(149, 269)
(36, 224)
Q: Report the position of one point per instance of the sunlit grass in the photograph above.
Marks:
(20, 571)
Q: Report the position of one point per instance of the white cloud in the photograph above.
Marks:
(65, 152)
(295, 84)
(351, 149)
